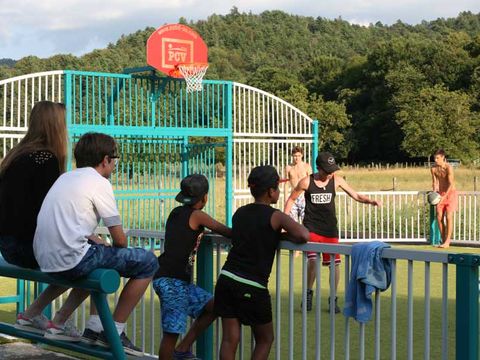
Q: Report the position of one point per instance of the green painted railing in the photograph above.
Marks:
(434, 237)
(466, 326)
(466, 298)
(160, 130)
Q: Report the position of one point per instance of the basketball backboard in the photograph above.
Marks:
(175, 44)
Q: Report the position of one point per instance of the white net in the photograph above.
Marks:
(193, 75)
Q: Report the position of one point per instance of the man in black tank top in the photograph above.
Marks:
(320, 215)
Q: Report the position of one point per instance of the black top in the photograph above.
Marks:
(320, 217)
(22, 189)
(181, 244)
(254, 243)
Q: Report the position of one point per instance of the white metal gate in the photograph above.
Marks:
(17, 97)
(265, 129)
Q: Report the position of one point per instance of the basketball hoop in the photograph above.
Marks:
(179, 52)
(193, 74)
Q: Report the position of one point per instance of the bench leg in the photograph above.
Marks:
(20, 295)
(109, 328)
(48, 310)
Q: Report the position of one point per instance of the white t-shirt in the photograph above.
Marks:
(69, 214)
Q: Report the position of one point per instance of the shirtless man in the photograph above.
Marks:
(320, 215)
(444, 184)
(297, 170)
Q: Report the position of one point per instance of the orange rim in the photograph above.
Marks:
(176, 73)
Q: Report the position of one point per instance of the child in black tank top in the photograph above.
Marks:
(179, 298)
(241, 294)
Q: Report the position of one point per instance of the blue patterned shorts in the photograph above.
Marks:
(179, 299)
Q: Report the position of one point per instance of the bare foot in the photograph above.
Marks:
(444, 246)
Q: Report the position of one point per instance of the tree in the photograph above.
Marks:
(438, 118)
(321, 73)
(333, 121)
(272, 79)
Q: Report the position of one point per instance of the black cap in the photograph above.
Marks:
(193, 188)
(263, 177)
(326, 162)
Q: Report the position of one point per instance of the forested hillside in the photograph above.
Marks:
(381, 93)
(7, 62)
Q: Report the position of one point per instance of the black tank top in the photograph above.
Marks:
(181, 243)
(254, 243)
(320, 217)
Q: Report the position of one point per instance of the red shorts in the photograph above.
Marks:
(448, 203)
(325, 257)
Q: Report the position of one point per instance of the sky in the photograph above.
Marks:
(48, 27)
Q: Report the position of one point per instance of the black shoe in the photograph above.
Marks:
(89, 336)
(128, 346)
(309, 300)
(337, 309)
(102, 340)
(187, 355)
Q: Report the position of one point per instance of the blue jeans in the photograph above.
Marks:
(134, 263)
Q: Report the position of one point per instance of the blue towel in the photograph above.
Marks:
(369, 272)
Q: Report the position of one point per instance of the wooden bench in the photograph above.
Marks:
(99, 282)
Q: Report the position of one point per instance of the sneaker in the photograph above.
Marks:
(337, 309)
(38, 324)
(184, 355)
(128, 346)
(309, 300)
(89, 336)
(67, 332)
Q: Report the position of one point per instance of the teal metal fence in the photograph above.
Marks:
(163, 134)
(420, 328)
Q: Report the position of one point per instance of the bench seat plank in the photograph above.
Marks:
(102, 280)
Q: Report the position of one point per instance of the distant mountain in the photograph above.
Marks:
(8, 62)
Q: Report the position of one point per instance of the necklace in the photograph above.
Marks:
(324, 187)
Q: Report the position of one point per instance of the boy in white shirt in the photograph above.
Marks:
(66, 246)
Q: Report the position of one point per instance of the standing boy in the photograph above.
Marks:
(320, 216)
(296, 171)
(444, 183)
(241, 294)
(65, 244)
(180, 298)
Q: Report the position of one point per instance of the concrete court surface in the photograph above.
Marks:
(27, 351)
